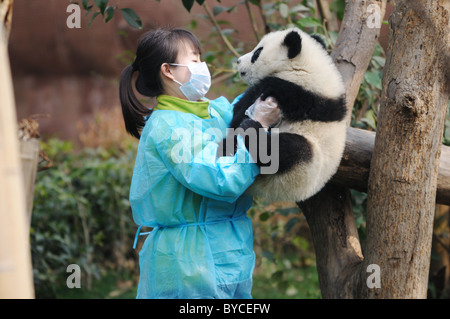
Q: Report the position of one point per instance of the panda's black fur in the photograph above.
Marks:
(293, 147)
(297, 105)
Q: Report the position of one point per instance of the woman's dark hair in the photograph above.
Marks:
(154, 49)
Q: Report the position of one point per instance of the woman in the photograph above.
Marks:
(201, 245)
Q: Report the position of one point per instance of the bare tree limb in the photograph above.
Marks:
(354, 169)
(252, 21)
(262, 12)
(329, 21)
(219, 30)
(355, 44)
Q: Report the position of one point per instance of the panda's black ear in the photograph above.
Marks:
(293, 41)
(319, 39)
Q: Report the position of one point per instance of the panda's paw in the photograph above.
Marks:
(271, 95)
(247, 123)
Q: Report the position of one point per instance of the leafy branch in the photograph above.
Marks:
(252, 20)
(219, 30)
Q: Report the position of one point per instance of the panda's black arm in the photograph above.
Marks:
(298, 104)
(293, 149)
(285, 93)
(249, 97)
(228, 146)
(289, 149)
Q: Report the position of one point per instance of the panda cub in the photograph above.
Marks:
(295, 69)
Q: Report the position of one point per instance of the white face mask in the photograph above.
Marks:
(199, 82)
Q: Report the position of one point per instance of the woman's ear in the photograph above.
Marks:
(165, 70)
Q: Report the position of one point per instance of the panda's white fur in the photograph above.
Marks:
(305, 180)
(314, 71)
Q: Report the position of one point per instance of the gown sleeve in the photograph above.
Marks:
(188, 147)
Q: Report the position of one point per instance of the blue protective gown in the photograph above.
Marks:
(201, 245)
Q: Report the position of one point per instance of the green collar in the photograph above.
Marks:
(166, 102)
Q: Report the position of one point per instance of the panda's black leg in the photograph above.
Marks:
(292, 149)
(228, 146)
(279, 151)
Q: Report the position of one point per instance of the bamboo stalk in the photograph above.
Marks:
(354, 169)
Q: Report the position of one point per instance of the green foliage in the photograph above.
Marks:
(367, 104)
(283, 281)
(101, 4)
(188, 4)
(81, 215)
(338, 7)
(359, 203)
(285, 260)
(107, 12)
(110, 285)
(132, 18)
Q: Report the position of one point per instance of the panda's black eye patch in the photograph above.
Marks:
(256, 54)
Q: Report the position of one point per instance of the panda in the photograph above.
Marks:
(295, 69)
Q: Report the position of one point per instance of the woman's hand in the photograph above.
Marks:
(265, 112)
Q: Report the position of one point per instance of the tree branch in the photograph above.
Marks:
(323, 9)
(354, 169)
(252, 21)
(262, 12)
(355, 44)
(219, 30)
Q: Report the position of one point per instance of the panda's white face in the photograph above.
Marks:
(294, 56)
(266, 59)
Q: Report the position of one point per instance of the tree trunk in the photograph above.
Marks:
(404, 167)
(16, 279)
(329, 213)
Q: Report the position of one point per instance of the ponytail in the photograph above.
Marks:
(133, 111)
